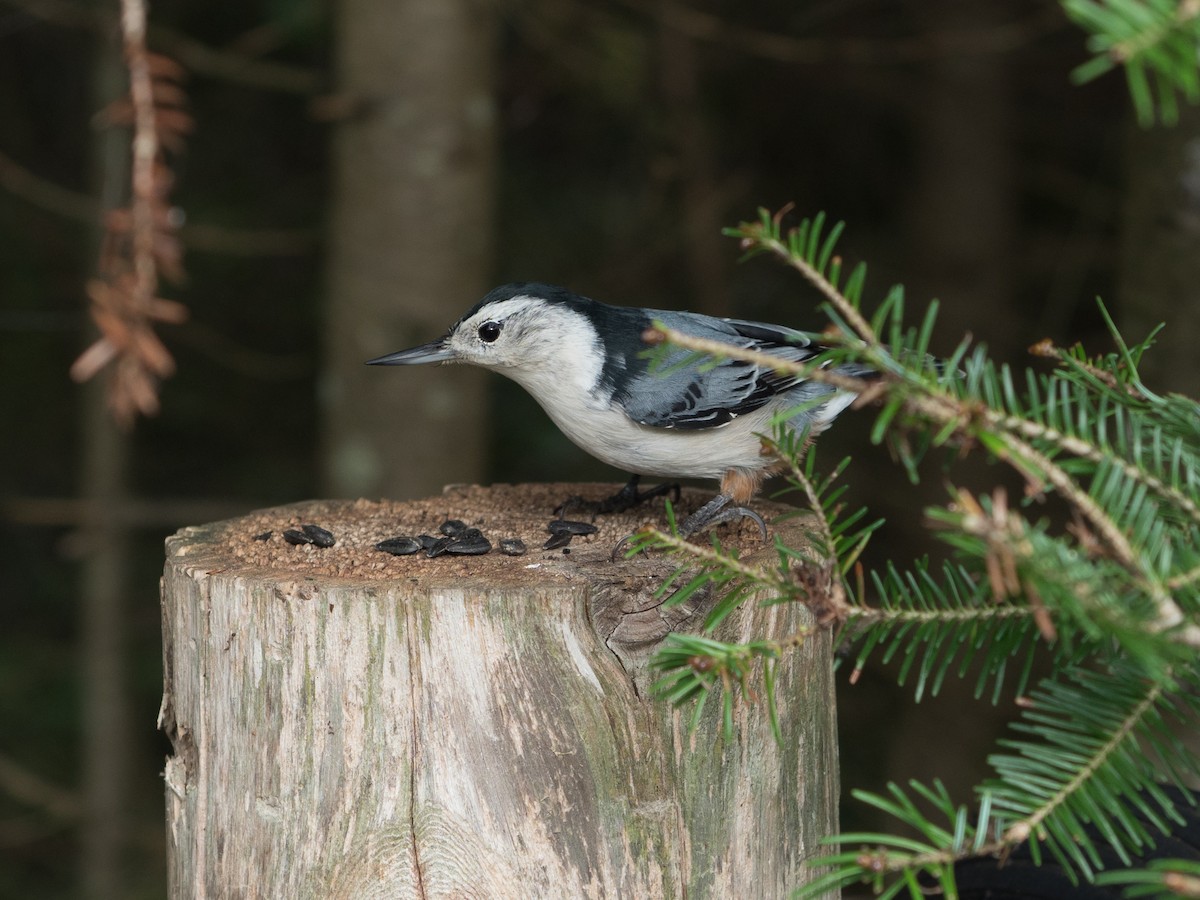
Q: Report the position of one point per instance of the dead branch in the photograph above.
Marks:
(139, 242)
(714, 29)
(192, 54)
(195, 236)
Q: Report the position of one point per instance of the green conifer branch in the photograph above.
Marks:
(1113, 596)
(1122, 732)
(1154, 40)
(1084, 450)
(965, 419)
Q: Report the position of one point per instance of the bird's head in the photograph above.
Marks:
(520, 329)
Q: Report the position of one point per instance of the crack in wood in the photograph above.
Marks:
(414, 701)
(632, 622)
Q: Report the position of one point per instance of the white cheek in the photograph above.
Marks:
(561, 366)
(470, 349)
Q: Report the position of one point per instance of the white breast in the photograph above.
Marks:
(608, 434)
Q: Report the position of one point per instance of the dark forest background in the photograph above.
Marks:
(361, 172)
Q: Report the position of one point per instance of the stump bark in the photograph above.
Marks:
(350, 724)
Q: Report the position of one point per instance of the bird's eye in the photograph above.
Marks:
(489, 331)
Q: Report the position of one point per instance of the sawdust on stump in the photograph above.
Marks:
(499, 511)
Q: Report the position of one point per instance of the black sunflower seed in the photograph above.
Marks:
(470, 543)
(318, 536)
(439, 547)
(513, 547)
(558, 539)
(566, 526)
(399, 546)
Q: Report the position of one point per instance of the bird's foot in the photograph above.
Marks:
(626, 498)
(714, 512)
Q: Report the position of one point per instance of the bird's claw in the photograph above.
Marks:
(738, 512)
(626, 498)
(619, 547)
(715, 512)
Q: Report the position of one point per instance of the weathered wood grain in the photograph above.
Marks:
(471, 733)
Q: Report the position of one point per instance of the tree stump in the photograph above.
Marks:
(350, 724)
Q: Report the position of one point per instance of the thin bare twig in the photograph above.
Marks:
(193, 54)
(159, 512)
(20, 182)
(714, 29)
(30, 788)
(196, 236)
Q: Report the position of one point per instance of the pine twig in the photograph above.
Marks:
(711, 556)
(836, 298)
(811, 371)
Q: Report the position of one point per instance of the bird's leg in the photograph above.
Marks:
(738, 486)
(626, 498)
(630, 496)
(716, 511)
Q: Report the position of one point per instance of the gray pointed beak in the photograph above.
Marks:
(434, 352)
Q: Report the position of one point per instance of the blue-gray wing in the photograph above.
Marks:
(701, 394)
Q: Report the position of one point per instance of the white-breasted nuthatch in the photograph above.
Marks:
(585, 363)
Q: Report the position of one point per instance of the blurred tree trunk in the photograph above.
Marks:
(694, 167)
(962, 215)
(1158, 278)
(104, 574)
(106, 769)
(960, 234)
(1159, 275)
(410, 241)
